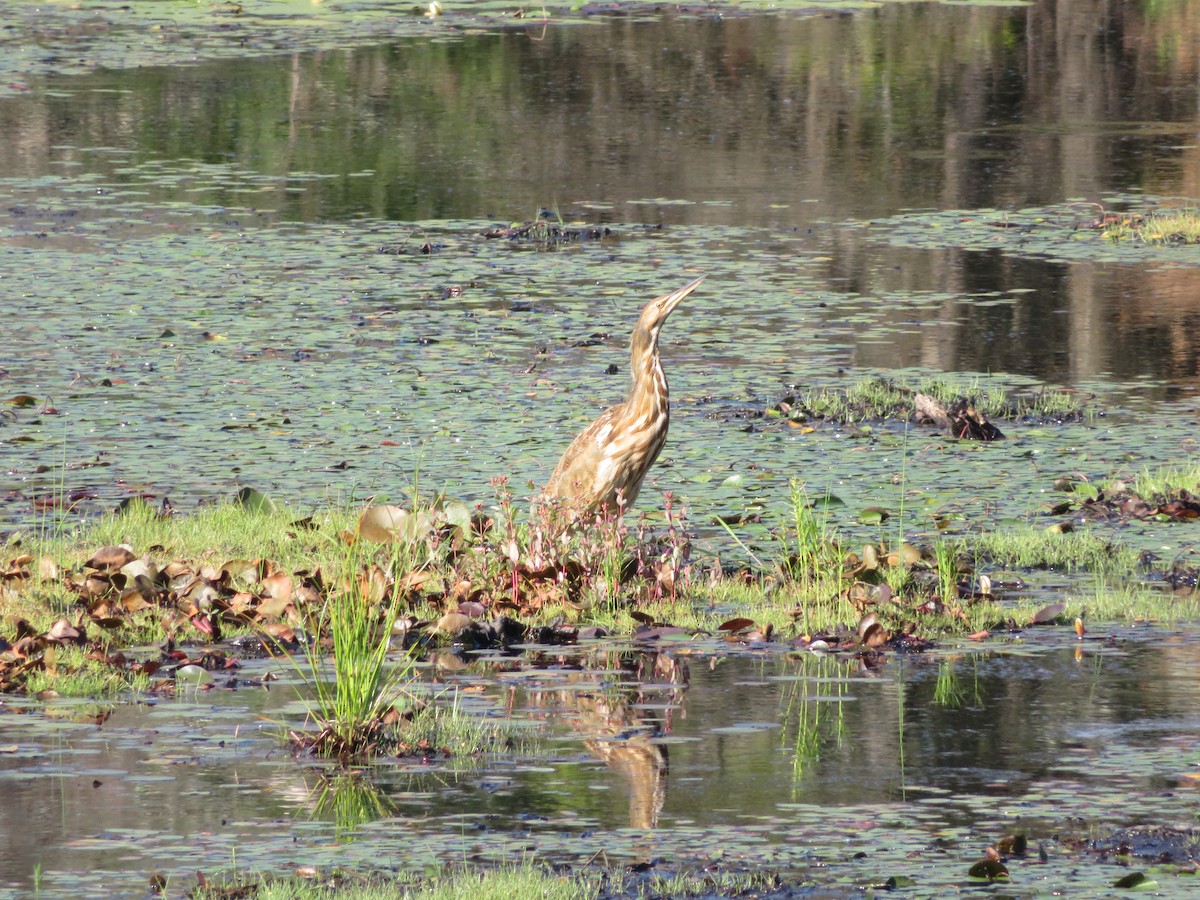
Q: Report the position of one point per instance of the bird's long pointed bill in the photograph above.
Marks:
(673, 299)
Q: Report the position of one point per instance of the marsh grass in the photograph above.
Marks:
(68, 672)
(705, 608)
(1168, 226)
(613, 558)
(227, 530)
(811, 549)
(898, 577)
(524, 880)
(448, 725)
(358, 689)
(1109, 601)
(811, 561)
(1166, 481)
(946, 555)
(876, 398)
(40, 604)
(1039, 548)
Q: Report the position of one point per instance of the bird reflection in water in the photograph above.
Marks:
(618, 729)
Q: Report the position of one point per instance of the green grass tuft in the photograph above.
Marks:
(876, 398)
(1039, 548)
(1168, 226)
(526, 880)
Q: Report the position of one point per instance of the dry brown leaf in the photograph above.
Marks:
(132, 601)
(281, 631)
(385, 524)
(62, 630)
(110, 559)
(48, 569)
(305, 595)
(452, 624)
(373, 585)
(93, 587)
(272, 607)
(413, 581)
(875, 636)
(1047, 614)
(244, 570)
(278, 587)
(734, 625)
(240, 602)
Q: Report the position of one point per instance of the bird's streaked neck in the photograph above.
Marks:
(649, 383)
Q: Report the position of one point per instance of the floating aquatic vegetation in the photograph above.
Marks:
(1068, 232)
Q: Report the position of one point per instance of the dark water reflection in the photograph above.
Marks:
(783, 123)
(788, 761)
(754, 121)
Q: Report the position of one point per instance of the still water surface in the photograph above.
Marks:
(824, 768)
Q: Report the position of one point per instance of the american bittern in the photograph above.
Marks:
(605, 465)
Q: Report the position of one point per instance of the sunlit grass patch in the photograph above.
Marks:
(361, 586)
(1165, 482)
(816, 585)
(716, 884)
(525, 880)
(1041, 548)
(37, 601)
(133, 569)
(876, 398)
(1168, 226)
(448, 726)
(1123, 602)
(774, 608)
(232, 529)
(518, 882)
(69, 672)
